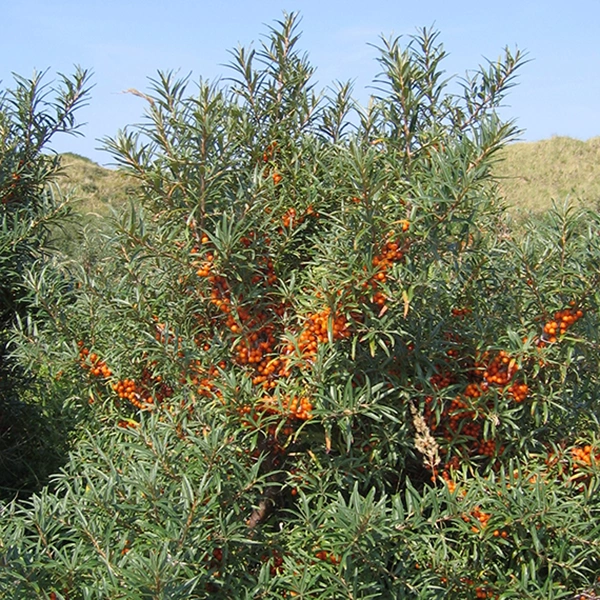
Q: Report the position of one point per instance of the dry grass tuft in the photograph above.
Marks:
(424, 441)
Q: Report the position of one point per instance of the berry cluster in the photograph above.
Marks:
(575, 467)
(205, 266)
(499, 370)
(328, 557)
(467, 586)
(563, 319)
(585, 461)
(482, 591)
(269, 152)
(260, 344)
(297, 407)
(317, 330)
(276, 562)
(460, 313)
(255, 327)
(142, 394)
(145, 393)
(478, 518)
(584, 457)
(267, 157)
(291, 219)
(463, 416)
(128, 389)
(392, 252)
(91, 361)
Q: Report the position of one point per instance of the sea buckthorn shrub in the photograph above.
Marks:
(317, 360)
(32, 113)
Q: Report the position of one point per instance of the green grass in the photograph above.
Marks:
(531, 176)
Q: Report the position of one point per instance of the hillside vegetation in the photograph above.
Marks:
(96, 188)
(531, 176)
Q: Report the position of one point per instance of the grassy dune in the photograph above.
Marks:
(531, 175)
(95, 188)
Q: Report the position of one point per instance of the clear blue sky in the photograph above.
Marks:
(126, 41)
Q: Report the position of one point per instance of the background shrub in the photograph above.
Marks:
(31, 209)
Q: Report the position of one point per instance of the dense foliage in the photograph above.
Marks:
(31, 209)
(313, 360)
